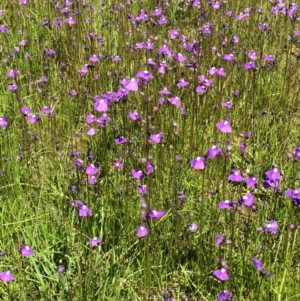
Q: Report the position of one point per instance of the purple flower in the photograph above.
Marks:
(175, 101)
(273, 174)
(120, 140)
(258, 264)
(70, 21)
(6, 276)
(293, 193)
(32, 118)
(198, 163)
(142, 231)
(131, 85)
(226, 204)
(91, 169)
(26, 251)
(193, 227)
(225, 295)
(92, 180)
(94, 58)
(13, 87)
(164, 91)
(182, 83)
(271, 227)
(101, 105)
(3, 122)
(213, 152)
(249, 66)
(248, 200)
(142, 189)
(252, 55)
(252, 182)
(95, 241)
(12, 73)
(134, 116)
(219, 238)
(156, 138)
(235, 176)
(84, 211)
(61, 268)
(156, 214)
(221, 274)
(224, 126)
(137, 174)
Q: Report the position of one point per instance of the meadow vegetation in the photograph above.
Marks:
(149, 150)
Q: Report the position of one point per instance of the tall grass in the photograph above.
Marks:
(43, 164)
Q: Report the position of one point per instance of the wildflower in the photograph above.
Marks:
(224, 126)
(6, 276)
(61, 268)
(95, 241)
(213, 152)
(155, 214)
(235, 176)
(3, 122)
(156, 138)
(248, 200)
(137, 174)
(91, 169)
(198, 163)
(142, 231)
(26, 251)
(259, 266)
(225, 295)
(221, 274)
(226, 204)
(271, 227)
(252, 182)
(101, 105)
(132, 85)
(193, 227)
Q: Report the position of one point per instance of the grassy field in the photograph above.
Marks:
(149, 150)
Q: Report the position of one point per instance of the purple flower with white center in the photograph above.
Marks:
(121, 140)
(229, 57)
(193, 227)
(92, 180)
(142, 189)
(3, 122)
(236, 176)
(293, 194)
(248, 200)
(91, 169)
(131, 85)
(103, 120)
(6, 276)
(94, 58)
(226, 104)
(249, 66)
(226, 204)
(91, 132)
(95, 241)
(225, 296)
(145, 75)
(156, 138)
(78, 162)
(252, 182)
(137, 174)
(164, 91)
(32, 118)
(175, 101)
(26, 251)
(273, 174)
(221, 274)
(182, 83)
(179, 58)
(134, 116)
(12, 73)
(90, 118)
(13, 87)
(45, 110)
(70, 21)
(271, 227)
(101, 105)
(224, 126)
(174, 33)
(198, 163)
(118, 164)
(214, 151)
(157, 12)
(142, 231)
(252, 55)
(155, 214)
(84, 211)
